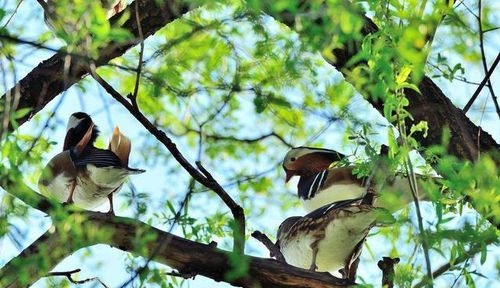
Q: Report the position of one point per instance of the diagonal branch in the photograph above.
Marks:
(482, 84)
(446, 267)
(431, 106)
(200, 174)
(483, 56)
(49, 79)
(274, 250)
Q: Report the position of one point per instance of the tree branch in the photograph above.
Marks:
(217, 137)
(482, 84)
(274, 250)
(431, 106)
(387, 266)
(49, 79)
(69, 276)
(483, 56)
(205, 179)
(185, 256)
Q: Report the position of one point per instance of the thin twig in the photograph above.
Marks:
(414, 192)
(182, 275)
(483, 57)
(480, 87)
(274, 250)
(217, 137)
(69, 275)
(460, 274)
(446, 267)
(446, 74)
(13, 14)
(491, 29)
(133, 99)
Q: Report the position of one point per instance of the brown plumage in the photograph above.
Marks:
(83, 173)
(322, 181)
(59, 176)
(329, 238)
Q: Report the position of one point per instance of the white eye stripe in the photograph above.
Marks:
(73, 122)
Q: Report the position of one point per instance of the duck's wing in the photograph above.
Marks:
(103, 158)
(97, 157)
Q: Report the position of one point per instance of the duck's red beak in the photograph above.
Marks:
(289, 175)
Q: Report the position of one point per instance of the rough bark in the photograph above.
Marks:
(467, 140)
(48, 80)
(185, 256)
(61, 71)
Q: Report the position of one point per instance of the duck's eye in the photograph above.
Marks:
(293, 159)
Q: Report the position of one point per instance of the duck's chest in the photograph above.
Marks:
(297, 250)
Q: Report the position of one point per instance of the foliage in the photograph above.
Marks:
(236, 89)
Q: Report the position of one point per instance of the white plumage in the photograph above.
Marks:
(342, 235)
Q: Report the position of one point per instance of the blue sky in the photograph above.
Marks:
(30, 16)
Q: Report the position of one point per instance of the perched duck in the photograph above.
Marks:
(330, 238)
(84, 174)
(58, 178)
(322, 182)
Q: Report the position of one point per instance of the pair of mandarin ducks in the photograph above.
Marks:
(329, 238)
(84, 174)
(341, 212)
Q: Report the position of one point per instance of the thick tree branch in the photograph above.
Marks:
(467, 140)
(185, 256)
(49, 78)
(431, 106)
(25, 194)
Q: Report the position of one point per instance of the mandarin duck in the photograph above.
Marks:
(83, 173)
(322, 182)
(330, 238)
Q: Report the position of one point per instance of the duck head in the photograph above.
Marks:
(80, 131)
(307, 160)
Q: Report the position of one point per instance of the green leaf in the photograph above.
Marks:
(260, 104)
(408, 86)
(403, 74)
